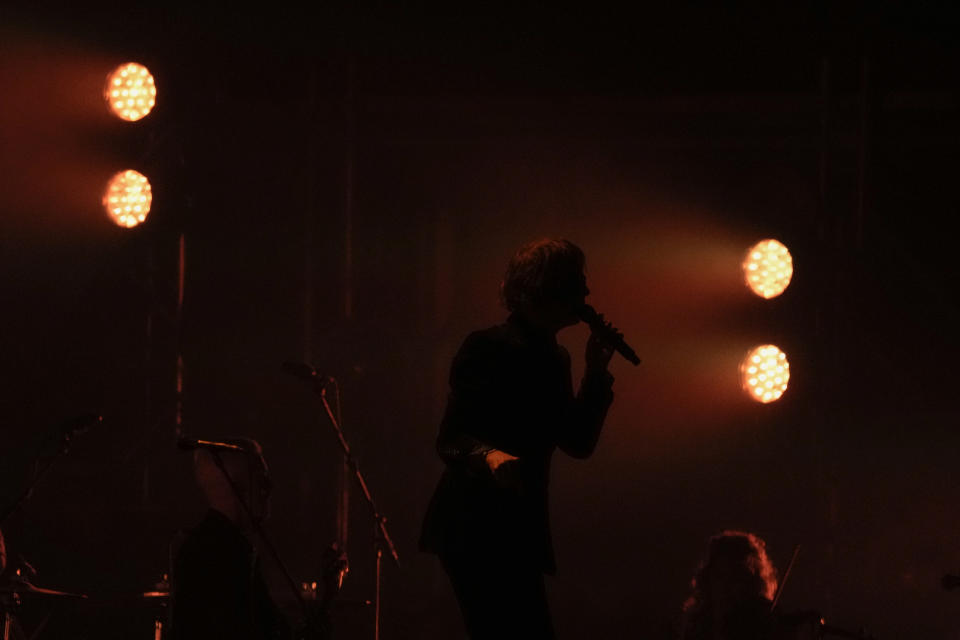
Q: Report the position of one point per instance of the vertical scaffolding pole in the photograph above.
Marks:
(828, 240)
(181, 279)
(345, 474)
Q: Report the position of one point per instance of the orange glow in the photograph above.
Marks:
(127, 198)
(767, 268)
(130, 91)
(764, 373)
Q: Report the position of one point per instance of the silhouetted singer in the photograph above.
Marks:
(511, 404)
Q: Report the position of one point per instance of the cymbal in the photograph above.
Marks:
(156, 594)
(21, 587)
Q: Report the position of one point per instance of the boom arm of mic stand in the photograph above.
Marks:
(384, 538)
(13, 507)
(64, 448)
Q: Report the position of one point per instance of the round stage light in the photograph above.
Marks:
(127, 198)
(130, 91)
(764, 373)
(767, 268)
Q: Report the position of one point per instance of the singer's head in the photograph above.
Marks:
(545, 283)
(248, 473)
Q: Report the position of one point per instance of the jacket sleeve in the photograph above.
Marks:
(463, 440)
(582, 422)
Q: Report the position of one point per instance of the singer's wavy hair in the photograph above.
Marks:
(540, 271)
(747, 570)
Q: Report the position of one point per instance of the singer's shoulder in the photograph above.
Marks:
(479, 360)
(490, 346)
(492, 338)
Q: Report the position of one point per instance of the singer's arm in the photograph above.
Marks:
(463, 440)
(583, 420)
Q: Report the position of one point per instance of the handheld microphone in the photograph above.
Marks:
(607, 333)
(190, 444)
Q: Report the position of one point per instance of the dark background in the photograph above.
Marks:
(350, 182)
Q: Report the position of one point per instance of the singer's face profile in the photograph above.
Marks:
(576, 292)
(559, 309)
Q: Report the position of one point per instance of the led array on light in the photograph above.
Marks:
(767, 268)
(127, 198)
(764, 373)
(130, 91)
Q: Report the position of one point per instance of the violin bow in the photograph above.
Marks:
(786, 574)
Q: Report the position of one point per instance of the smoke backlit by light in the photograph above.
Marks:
(764, 373)
(130, 91)
(767, 268)
(127, 198)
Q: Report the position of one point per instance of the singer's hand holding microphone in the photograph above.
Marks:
(598, 354)
(604, 340)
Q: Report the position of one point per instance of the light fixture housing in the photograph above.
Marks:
(768, 268)
(127, 198)
(130, 92)
(765, 373)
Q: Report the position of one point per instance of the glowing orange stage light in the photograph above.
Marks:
(767, 268)
(764, 373)
(127, 198)
(130, 91)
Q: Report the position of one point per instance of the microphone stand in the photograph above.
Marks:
(382, 540)
(262, 535)
(69, 431)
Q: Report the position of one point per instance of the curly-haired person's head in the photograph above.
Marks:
(543, 272)
(736, 569)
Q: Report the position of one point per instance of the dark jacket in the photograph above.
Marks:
(510, 389)
(217, 589)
